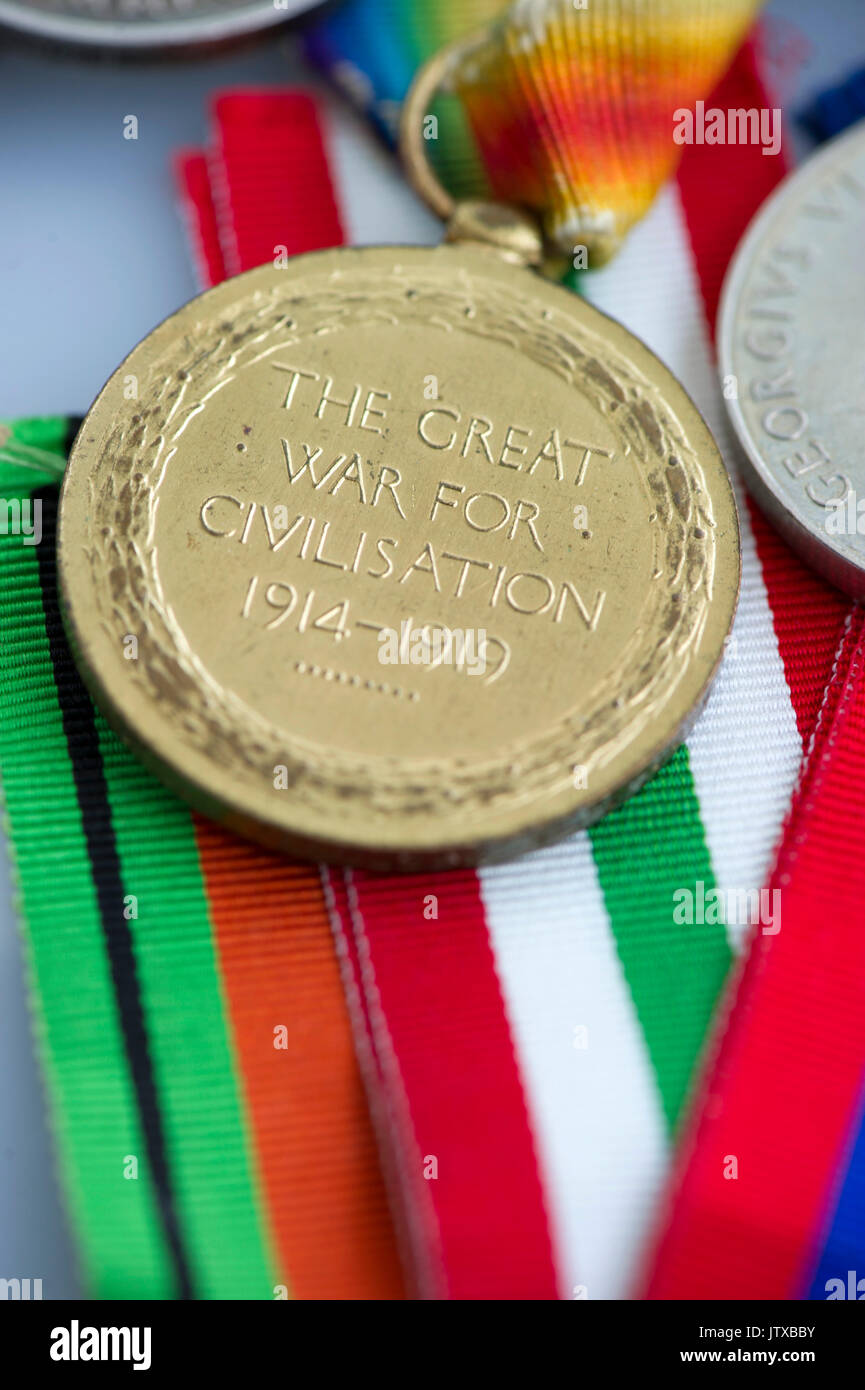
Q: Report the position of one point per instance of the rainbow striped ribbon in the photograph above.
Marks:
(566, 108)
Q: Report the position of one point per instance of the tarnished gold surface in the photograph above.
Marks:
(409, 440)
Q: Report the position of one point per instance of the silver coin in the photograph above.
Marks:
(145, 23)
(791, 344)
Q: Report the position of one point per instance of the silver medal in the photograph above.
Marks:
(791, 343)
(144, 23)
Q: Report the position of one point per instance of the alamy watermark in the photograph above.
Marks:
(737, 126)
(433, 645)
(77, 1343)
(21, 517)
(845, 516)
(853, 1288)
(23, 1290)
(734, 907)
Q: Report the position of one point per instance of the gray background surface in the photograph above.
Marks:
(92, 255)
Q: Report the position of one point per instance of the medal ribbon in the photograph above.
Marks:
(458, 1247)
(759, 1211)
(784, 1092)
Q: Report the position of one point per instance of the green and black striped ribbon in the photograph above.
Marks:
(154, 1148)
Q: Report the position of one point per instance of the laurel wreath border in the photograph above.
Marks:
(144, 440)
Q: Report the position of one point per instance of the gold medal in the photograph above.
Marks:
(398, 556)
